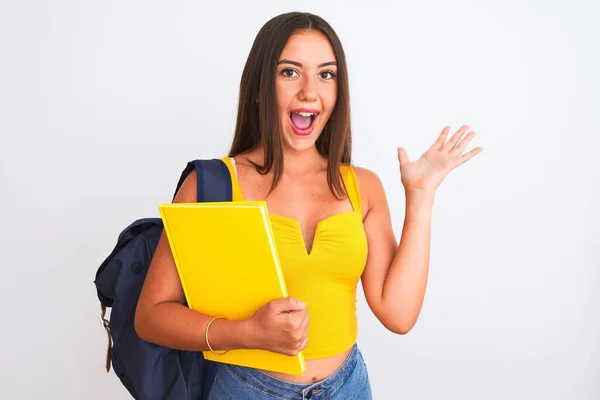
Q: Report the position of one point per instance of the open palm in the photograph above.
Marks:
(428, 172)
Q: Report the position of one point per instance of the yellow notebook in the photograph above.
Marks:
(228, 265)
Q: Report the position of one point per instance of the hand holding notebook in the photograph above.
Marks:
(280, 326)
(228, 266)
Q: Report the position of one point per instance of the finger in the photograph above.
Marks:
(288, 304)
(467, 156)
(304, 325)
(299, 320)
(402, 156)
(459, 148)
(455, 138)
(303, 344)
(305, 331)
(439, 143)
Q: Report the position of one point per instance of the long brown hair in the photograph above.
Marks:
(257, 119)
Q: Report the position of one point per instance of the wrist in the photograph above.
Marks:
(245, 334)
(224, 334)
(419, 205)
(419, 197)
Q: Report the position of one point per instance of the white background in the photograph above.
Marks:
(103, 103)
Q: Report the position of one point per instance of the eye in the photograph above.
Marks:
(327, 75)
(288, 73)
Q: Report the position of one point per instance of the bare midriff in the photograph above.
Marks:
(316, 370)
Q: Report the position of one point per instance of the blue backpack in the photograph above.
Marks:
(149, 371)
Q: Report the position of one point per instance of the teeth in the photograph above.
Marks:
(306, 114)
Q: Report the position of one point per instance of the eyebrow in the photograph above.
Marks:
(296, 63)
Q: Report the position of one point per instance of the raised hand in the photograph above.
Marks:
(428, 172)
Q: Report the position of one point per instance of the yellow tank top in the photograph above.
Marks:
(327, 277)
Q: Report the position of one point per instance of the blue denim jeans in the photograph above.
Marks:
(349, 382)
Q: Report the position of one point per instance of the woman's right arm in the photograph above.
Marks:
(162, 318)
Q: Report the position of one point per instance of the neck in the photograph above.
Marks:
(294, 162)
(302, 162)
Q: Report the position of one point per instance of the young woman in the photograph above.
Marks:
(292, 148)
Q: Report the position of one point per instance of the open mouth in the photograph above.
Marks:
(303, 121)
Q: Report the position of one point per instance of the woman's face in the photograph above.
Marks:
(306, 88)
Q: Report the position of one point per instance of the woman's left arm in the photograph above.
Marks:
(395, 277)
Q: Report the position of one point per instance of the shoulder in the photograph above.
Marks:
(370, 186)
(187, 192)
(365, 175)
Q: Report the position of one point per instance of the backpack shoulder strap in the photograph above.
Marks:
(213, 181)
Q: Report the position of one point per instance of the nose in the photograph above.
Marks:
(308, 91)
